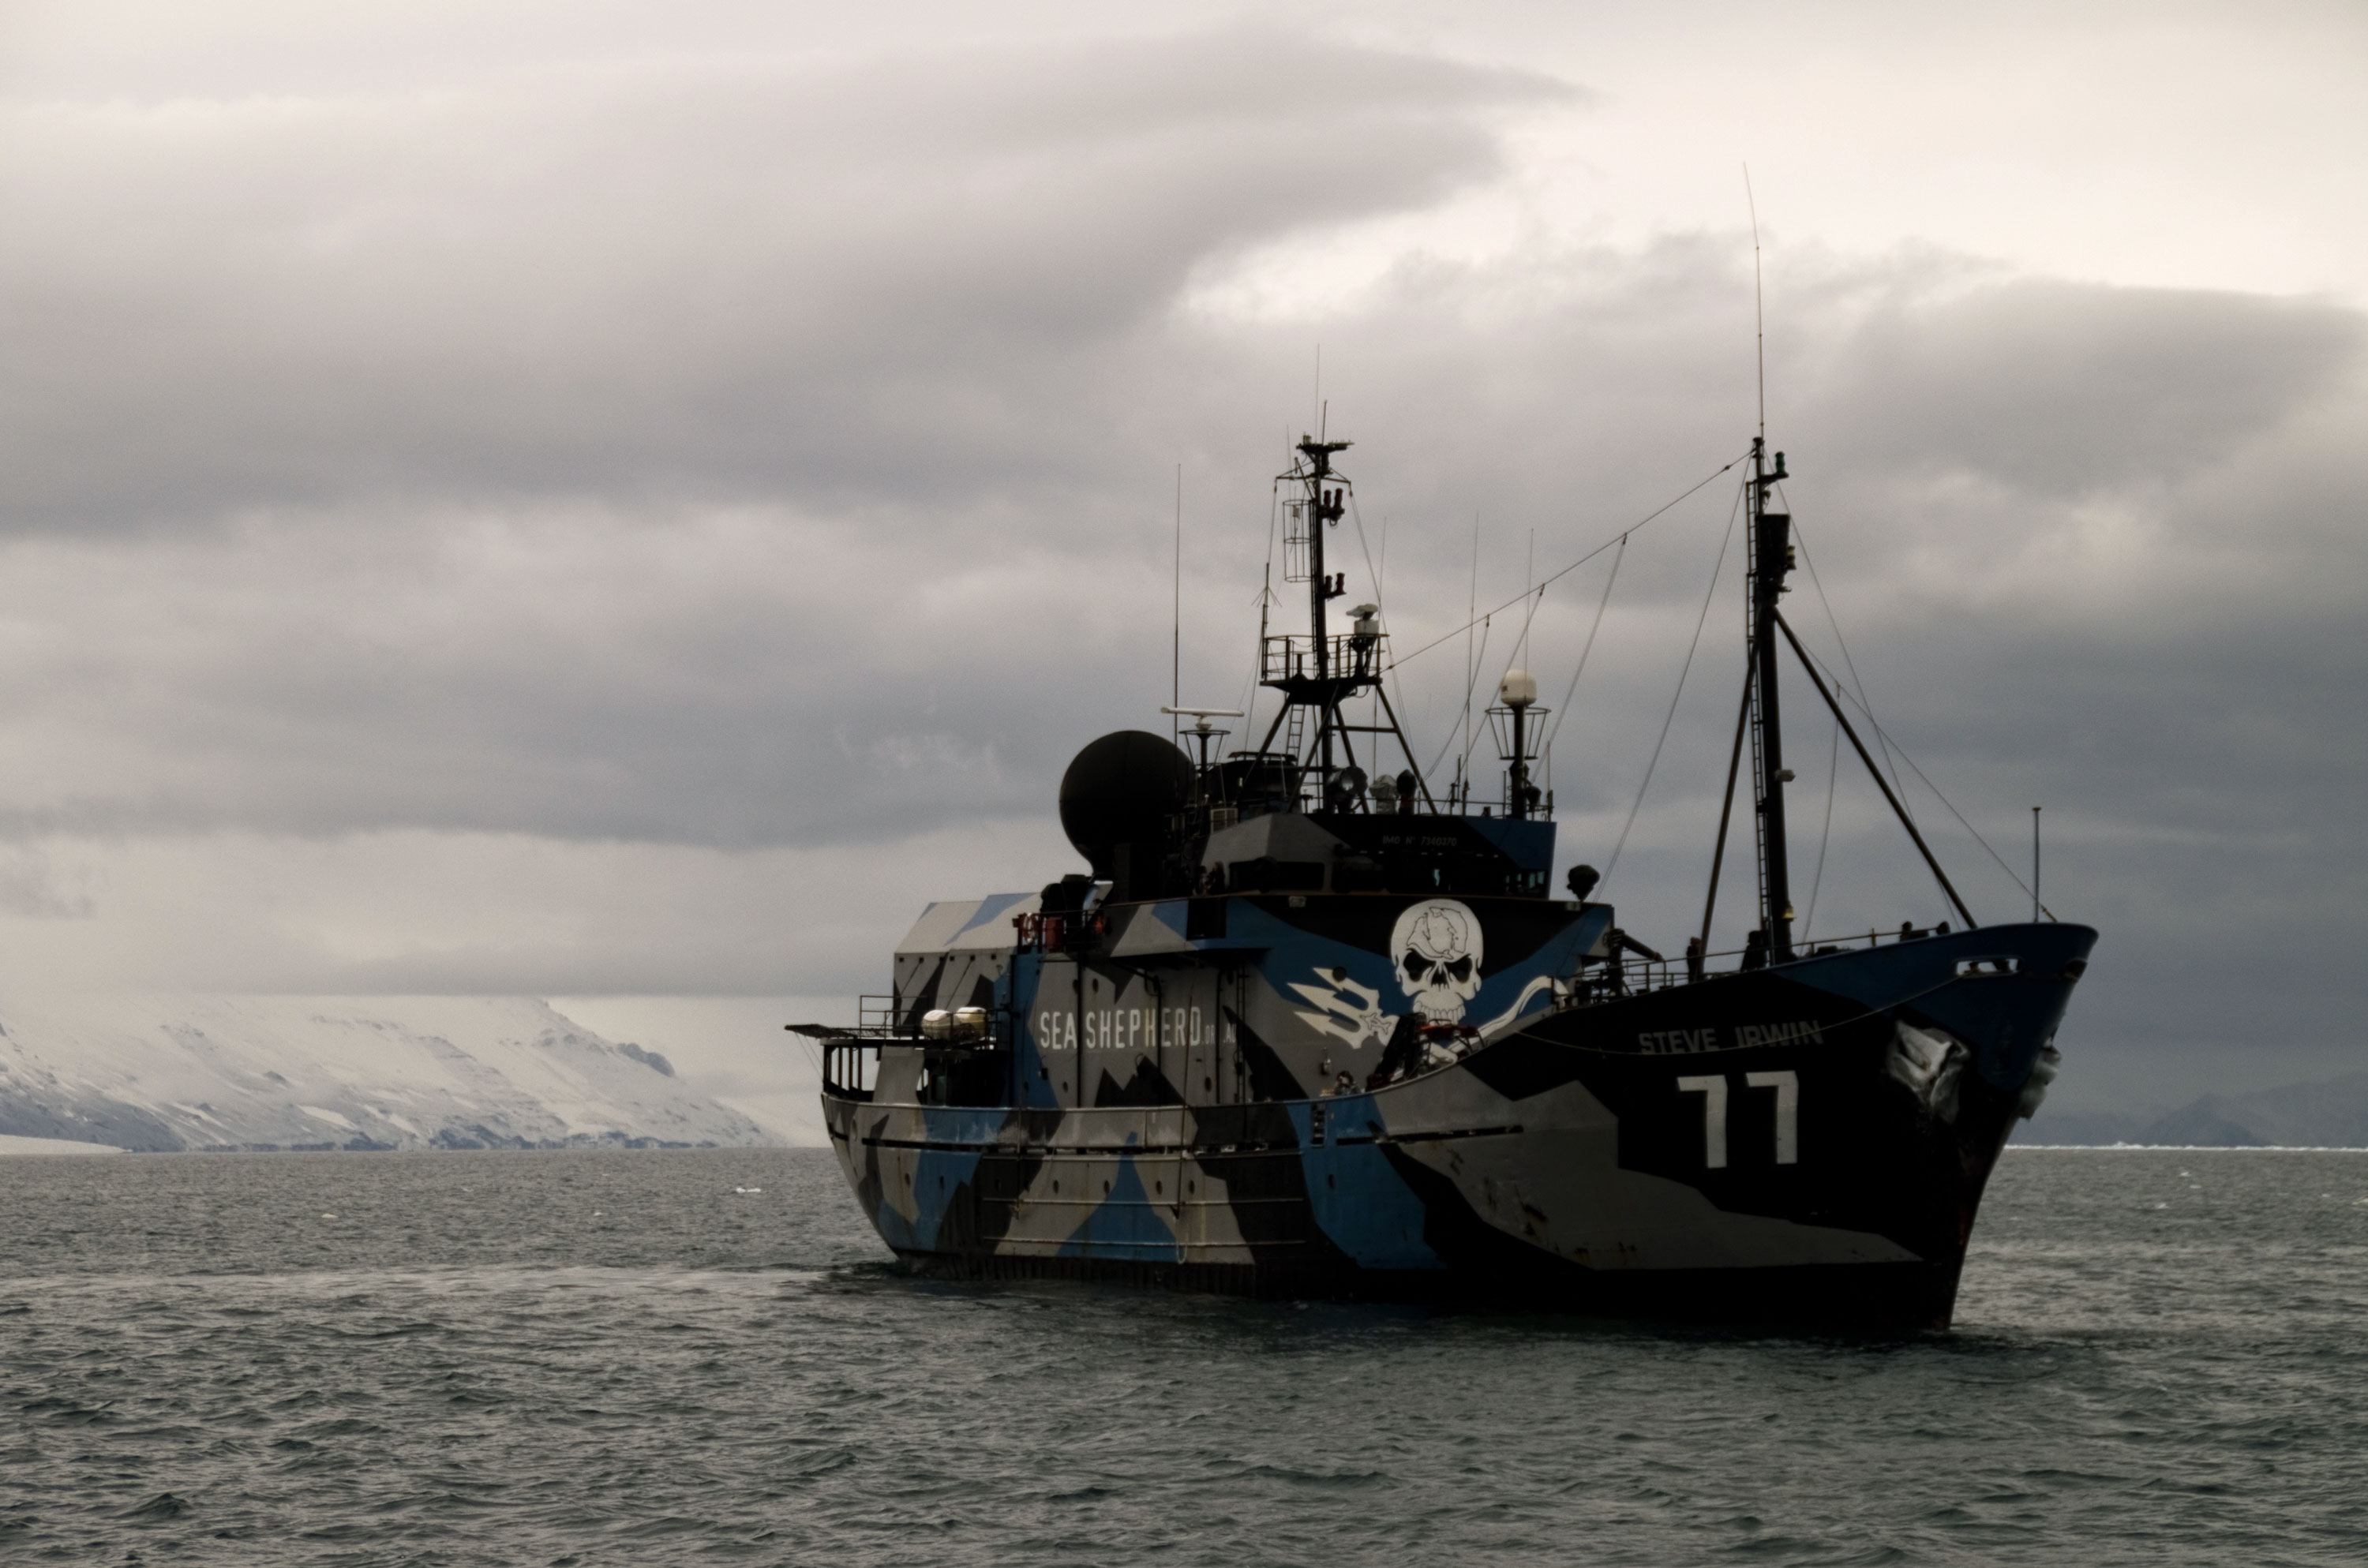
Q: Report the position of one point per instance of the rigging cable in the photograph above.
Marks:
(1927, 783)
(1864, 703)
(1653, 761)
(1375, 573)
(1248, 703)
(1536, 596)
(1520, 644)
(1620, 538)
(1587, 647)
(1894, 754)
(1485, 625)
(1833, 774)
(1471, 696)
(1472, 606)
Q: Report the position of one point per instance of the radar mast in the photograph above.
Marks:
(1317, 673)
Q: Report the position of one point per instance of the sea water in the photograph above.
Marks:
(696, 1357)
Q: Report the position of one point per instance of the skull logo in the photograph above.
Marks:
(1437, 945)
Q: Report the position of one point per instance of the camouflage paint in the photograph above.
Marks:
(1164, 1119)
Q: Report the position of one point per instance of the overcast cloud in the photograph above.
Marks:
(523, 499)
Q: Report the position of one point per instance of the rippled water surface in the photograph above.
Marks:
(634, 1357)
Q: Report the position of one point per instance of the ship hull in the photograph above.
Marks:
(1802, 1143)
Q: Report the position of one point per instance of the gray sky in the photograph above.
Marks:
(610, 500)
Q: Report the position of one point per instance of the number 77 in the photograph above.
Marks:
(1713, 1089)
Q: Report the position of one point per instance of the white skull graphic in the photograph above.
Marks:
(1436, 946)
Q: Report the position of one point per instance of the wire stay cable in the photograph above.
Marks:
(1650, 516)
(1717, 567)
(1809, 668)
(1833, 773)
(1485, 625)
(1726, 798)
(1922, 778)
(1571, 691)
(1865, 703)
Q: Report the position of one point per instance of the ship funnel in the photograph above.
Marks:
(1518, 690)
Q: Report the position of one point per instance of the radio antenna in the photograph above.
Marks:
(1176, 635)
(2036, 908)
(1758, 320)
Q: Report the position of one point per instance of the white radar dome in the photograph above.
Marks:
(1518, 690)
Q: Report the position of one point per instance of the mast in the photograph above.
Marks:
(1324, 508)
(1770, 549)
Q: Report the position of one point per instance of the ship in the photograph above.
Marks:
(1310, 1027)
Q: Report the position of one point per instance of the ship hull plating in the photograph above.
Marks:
(1804, 1143)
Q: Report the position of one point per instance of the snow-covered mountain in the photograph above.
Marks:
(2330, 1114)
(156, 1073)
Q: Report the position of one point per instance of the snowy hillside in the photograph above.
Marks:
(338, 1073)
(2332, 1114)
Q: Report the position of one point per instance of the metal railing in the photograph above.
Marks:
(1068, 932)
(1632, 974)
(1347, 656)
(851, 1068)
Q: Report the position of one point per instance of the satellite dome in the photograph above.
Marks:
(1518, 690)
(1122, 789)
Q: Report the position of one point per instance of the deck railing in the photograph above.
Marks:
(1067, 932)
(1630, 974)
(1346, 657)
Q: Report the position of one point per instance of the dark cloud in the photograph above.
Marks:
(2052, 387)
(718, 278)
